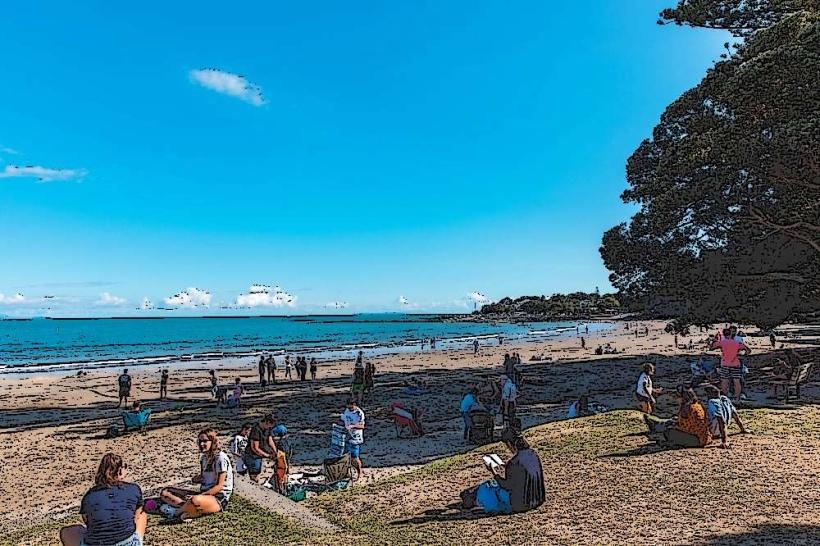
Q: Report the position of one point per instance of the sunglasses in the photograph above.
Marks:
(203, 441)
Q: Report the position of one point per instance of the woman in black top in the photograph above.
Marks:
(522, 486)
(111, 510)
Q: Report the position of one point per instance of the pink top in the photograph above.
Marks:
(729, 349)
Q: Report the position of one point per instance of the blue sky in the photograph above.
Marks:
(378, 149)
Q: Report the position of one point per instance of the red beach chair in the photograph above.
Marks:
(404, 417)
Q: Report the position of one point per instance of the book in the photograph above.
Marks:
(493, 462)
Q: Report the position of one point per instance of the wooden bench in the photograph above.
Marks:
(799, 376)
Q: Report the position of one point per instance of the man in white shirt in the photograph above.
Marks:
(353, 418)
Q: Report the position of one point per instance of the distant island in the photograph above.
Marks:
(574, 306)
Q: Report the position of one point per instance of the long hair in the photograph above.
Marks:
(688, 397)
(108, 473)
(212, 436)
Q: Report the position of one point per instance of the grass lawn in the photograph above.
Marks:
(606, 484)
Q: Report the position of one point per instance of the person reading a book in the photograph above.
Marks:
(518, 484)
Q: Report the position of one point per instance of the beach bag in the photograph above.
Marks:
(112, 432)
(337, 469)
(468, 498)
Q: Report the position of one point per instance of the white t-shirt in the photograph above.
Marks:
(354, 417)
(210, 472)
(640, 389)
(238, 446)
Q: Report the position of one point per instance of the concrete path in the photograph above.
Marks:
(276, 503)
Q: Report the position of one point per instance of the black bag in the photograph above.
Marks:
(468, 498)
(112, 432)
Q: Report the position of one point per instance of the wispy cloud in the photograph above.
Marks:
(146, 305)
(107, 299)
(403, 301)
(478, 297)
(229, 84)
(10, 300)
(42, 174)
(7, 150)
(192, 297)
(261, 295)
(337, 305)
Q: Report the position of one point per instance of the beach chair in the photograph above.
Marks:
(799, 376)
(482, 430)
(136, 421)
(406, 418)
(336, 474)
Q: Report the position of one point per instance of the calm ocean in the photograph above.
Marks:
(42, 344)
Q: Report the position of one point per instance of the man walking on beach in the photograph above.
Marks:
(353, 418)
(124, 384)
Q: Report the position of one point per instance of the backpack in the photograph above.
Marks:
(112, 432)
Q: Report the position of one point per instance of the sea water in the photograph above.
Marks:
(53, 344)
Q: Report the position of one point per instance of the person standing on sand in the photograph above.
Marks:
(509, 393)
(271, 365)
(730, 368)
(313, 369)
(111, 510)
(772, 339)
(475, 346)
(163, 384)
(124, 385)
(644, 391)
(288, 367)
(353, 418)
(583, 343)
(262, 369)
(359, 360)
(256, 451)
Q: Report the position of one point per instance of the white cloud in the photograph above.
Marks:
(229, 84)
(10, 300)
(403, 301)
(192, 297)
(478, 297)
(107, 299)
(146, 304)
(261, 295)
(42, 174)
(337, 305)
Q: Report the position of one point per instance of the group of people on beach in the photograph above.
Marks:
(267, 369)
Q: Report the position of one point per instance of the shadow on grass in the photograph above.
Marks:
(768, 534)
(444, 514)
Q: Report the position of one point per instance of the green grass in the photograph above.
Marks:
(580, 449)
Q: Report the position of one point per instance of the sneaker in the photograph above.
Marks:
(168, 511)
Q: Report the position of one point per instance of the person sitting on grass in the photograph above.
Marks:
(215, 479)
(689, 428)
(719, 411)
(644, 391)
(111, 510)
(520, 489)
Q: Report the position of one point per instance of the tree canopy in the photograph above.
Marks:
(729, 184)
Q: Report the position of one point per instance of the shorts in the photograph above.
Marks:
(254, 465)
(133, 540)
(726, 372)
(357, 388)
(223, 501)
(125, 393)
(354, 450)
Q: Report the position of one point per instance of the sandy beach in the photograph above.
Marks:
(52, 427)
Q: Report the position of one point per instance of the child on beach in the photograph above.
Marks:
(644, 391)
(236, 397)
(288, 367)
(313, 369)
(238, 445)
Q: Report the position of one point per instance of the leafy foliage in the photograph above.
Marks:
(555, 306)
(729, 184)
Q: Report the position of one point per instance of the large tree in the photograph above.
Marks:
(729, 184)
